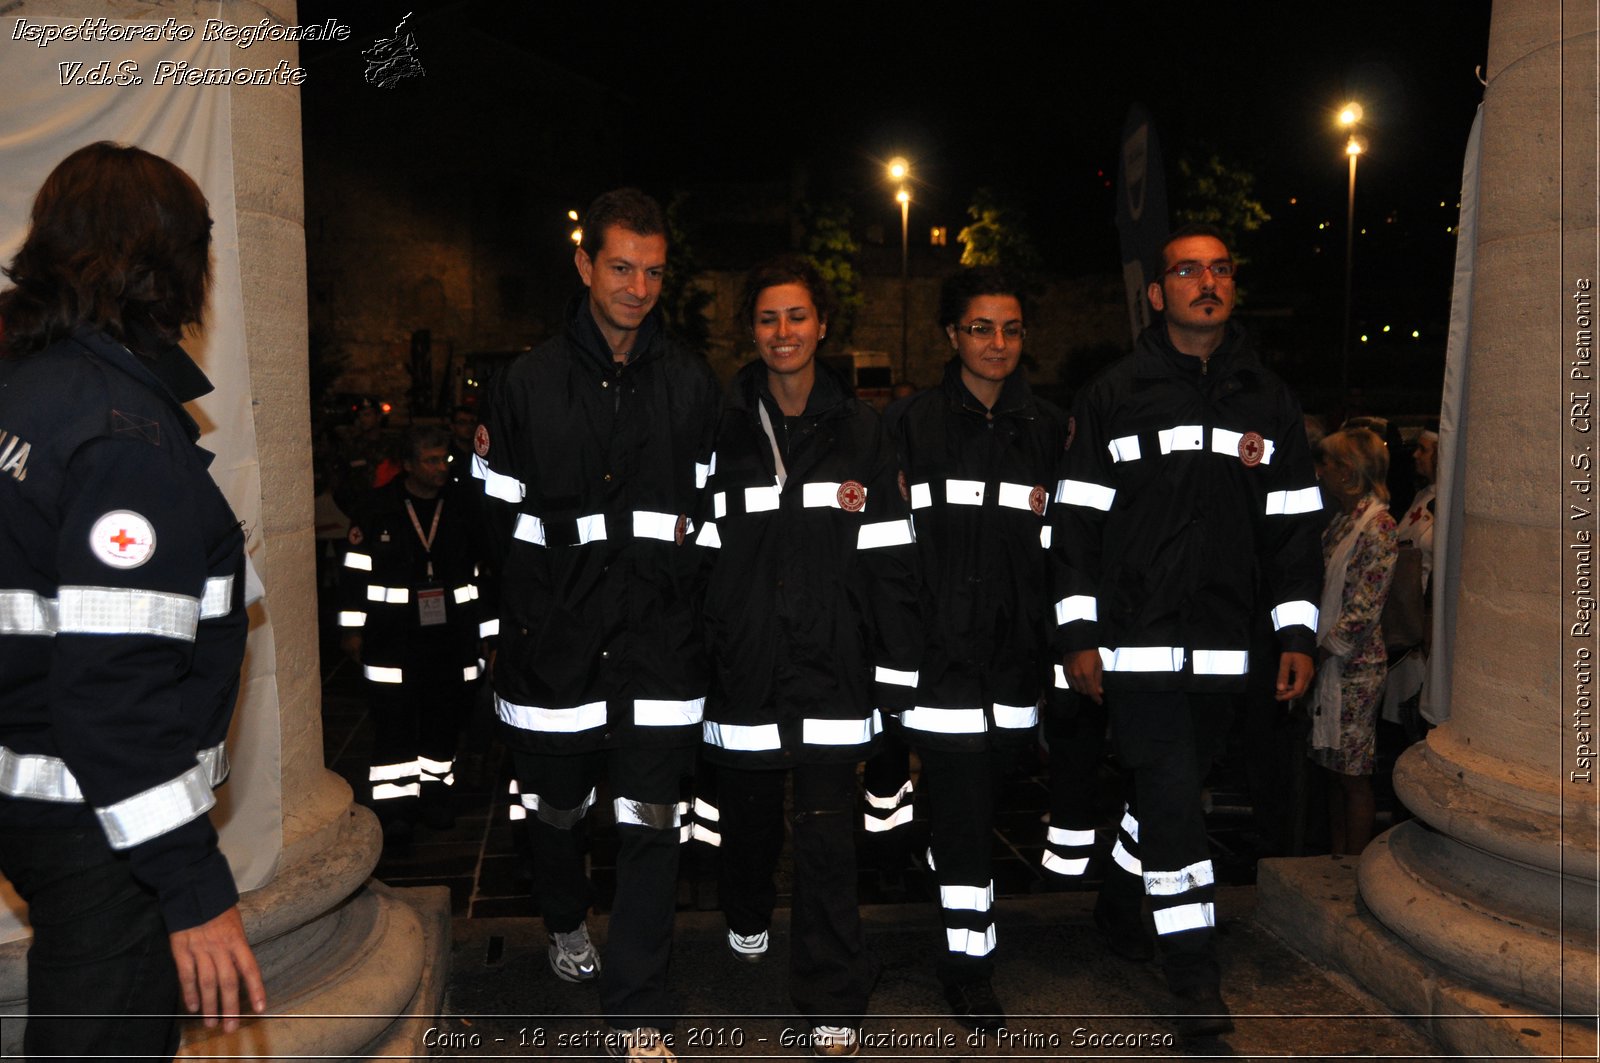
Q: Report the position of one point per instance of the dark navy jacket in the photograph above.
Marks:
(1187, 505)
(979, 488)
(596, 470)
(122, 621)
(810, 609)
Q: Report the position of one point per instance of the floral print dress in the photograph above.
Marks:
(1366, 588)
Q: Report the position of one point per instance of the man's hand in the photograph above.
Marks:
(212, 958)
(1294, 675)
(1083, 674)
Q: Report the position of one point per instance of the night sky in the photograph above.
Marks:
(712, 92)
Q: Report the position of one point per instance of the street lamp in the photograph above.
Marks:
(900, 170)
(1354, 146)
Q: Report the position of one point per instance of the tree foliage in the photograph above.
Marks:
(1214, 191)
(683, 301)
(831, 248)
(998, 234)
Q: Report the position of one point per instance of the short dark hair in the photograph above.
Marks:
(785, 269)
(959, 289)
(1183, 232)
(120, 239)
(627, 207)
(420, 437)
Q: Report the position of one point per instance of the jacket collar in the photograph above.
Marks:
(827, 396)
(1156, 356)
(585, 334)
(164, 368)
(1015, 395)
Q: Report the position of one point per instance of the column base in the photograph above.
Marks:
(1314, 905)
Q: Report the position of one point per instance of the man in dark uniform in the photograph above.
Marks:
(122, 618)
(1187, 501)
(595, 448)
(410, 612)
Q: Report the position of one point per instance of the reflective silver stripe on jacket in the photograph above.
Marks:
(894, 677)
(824, 496)
(1016, 717)
(884, 533)
(1124, 448)
(1142, 659)
(820, 732)
(382, 675)
(489, 628)
(760, 499)
(1182, 437)
(126, 611)
(465, 593)
(1297, 612)
(1076, 607)
(963, 492)
(945, 721)
(356, 560)
(562, 721)
(157, 810)
(1221, 662)
(1084, 493)
(388, 595)
(709, 535)
(921, 496)
(658, 713)
(651, 525)
(1289, 503)
(744, 738)
(26, 613)
(702, 473)
(217, 599)
(496, 484)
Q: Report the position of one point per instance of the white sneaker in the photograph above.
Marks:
(573, 956)
(835, 1041)
(644, 1043)
(748, 947)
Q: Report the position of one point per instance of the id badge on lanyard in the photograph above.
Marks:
(430, 596)
(430, 606)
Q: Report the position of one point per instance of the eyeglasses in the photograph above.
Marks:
(984, 330)
(1190, 270)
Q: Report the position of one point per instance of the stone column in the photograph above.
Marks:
(1485, 904)
(330, 940)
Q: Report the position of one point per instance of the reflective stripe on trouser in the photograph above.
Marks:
(886, 778)
(830, 970)
(959, 800)
(1167, 739)
(1074, 729)
(647, 783)
(415, 725)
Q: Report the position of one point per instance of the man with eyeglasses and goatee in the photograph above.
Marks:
(1187, 503)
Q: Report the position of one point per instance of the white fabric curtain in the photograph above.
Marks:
(41, 122)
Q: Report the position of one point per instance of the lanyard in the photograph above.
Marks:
(433, 530)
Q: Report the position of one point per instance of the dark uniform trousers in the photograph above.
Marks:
(99, 946)
(958, 789)
(646, 785)
(1075, 730)
(1168, 739)
(831, 973)
(417, 721)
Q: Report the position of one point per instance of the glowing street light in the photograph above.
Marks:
(900, 170)
(1354, 146)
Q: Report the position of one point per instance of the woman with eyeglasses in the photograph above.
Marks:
(810, 620)
(977, 457)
